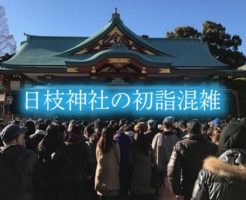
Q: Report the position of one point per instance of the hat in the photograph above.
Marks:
(10, 132)
(216, 121)
(233, 136)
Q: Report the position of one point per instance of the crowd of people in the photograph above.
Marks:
(123, 160)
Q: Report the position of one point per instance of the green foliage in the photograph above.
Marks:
(222, 45)
(184, 32)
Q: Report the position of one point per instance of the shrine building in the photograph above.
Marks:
(114, 55)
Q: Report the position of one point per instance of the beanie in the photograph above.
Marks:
(10, 132)
(233, 136)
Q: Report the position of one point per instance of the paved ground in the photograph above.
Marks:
(165, 194)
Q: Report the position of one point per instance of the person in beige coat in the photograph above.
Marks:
(107, 183)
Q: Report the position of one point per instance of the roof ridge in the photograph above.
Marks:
(158, 38)
(52, 36)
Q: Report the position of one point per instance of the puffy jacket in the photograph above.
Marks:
(16, 170)
(186, 162)
(222, 178)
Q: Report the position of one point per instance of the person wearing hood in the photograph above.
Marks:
(225, 177)
(16, 165)
(186, 160)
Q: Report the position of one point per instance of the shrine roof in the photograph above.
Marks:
(57, 51)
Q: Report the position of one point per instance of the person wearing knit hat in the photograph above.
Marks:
(233, 136)
(225, 177)
(16, 165)
(11, 133)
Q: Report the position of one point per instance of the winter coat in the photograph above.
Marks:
(141, 175)
(107, 171)
(72, 161)
(162, 145)
(150, 134)
(186, 161)
(222, 178)
(125, 146)
(16, 172)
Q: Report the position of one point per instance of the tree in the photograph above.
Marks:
(222, 45)
(7, 42)
(184, 32)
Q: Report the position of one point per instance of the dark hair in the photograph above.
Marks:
(182, 123)
(194, 126)
(30, 128)
(106, 140)
(167, 124)
(88, 131)
(41, 125)
(76, 128)
(75, 133)
(53, 139)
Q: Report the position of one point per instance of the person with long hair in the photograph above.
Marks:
(107, 183)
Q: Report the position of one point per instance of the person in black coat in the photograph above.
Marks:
(186, 160)
(72, 161)
(16, 165)
(224, 178)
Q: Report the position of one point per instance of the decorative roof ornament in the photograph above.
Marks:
(115, 15)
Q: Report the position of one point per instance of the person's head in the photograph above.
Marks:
(151, 124)
(88, 131)
(53, 137)
(194, 126)
(140, 127)
(122, 122)
(13, 134)
(168, 123)
(30, 128)
(75, 132)
(112, 123)
(40, 125)
(233, 136)
(106, 140)
(182, 125)
(99, 124)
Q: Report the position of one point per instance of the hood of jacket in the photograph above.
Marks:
(231, 164)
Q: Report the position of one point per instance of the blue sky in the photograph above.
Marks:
(151, 17)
